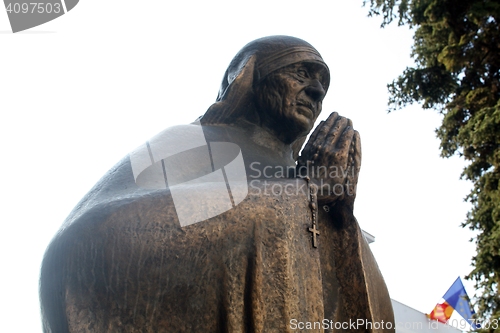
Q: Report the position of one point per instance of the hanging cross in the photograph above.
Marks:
(315, 232)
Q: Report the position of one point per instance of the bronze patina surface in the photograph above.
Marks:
(287, 255)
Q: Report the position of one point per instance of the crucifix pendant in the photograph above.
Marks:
(315, 233)
(313, 205)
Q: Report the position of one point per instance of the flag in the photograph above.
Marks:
(457, 298)
(442, 312)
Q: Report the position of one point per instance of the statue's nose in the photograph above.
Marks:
(315, 90)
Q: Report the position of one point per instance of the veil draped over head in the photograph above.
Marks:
(254, 62)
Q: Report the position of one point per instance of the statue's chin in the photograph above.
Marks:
(302, 127)
(296, 134)
(288, 125)
(303, 118)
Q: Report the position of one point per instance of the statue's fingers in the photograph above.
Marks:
(343, 147)
(335, 133)
(354, 165)
(331, 119)
(318, 128)
(351, 174)
(314, 147)
(311, 145)
(326, 127)
(340, 138)
(339, 157)
(357, 150)
(322, 132)
(351, 181)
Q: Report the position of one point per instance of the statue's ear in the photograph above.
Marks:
(236, 96)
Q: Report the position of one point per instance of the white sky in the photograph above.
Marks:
(80, 92)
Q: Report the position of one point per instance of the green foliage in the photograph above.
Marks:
(457, 72)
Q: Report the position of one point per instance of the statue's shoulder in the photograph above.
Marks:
(137, 177)
(119, 214)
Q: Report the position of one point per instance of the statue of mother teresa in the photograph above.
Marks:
(223, 225)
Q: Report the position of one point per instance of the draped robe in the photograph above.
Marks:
(123, 263)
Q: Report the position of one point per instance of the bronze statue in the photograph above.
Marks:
(220, 225)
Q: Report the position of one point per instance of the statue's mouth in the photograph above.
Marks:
(306, 108)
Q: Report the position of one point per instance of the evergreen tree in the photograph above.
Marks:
(457, 72)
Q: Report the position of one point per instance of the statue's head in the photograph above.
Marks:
(276, 82)
(289, 99)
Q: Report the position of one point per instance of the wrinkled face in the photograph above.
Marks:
(289, 100)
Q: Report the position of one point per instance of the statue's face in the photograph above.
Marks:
(289, 100)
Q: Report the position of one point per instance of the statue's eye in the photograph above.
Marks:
(303, 72)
